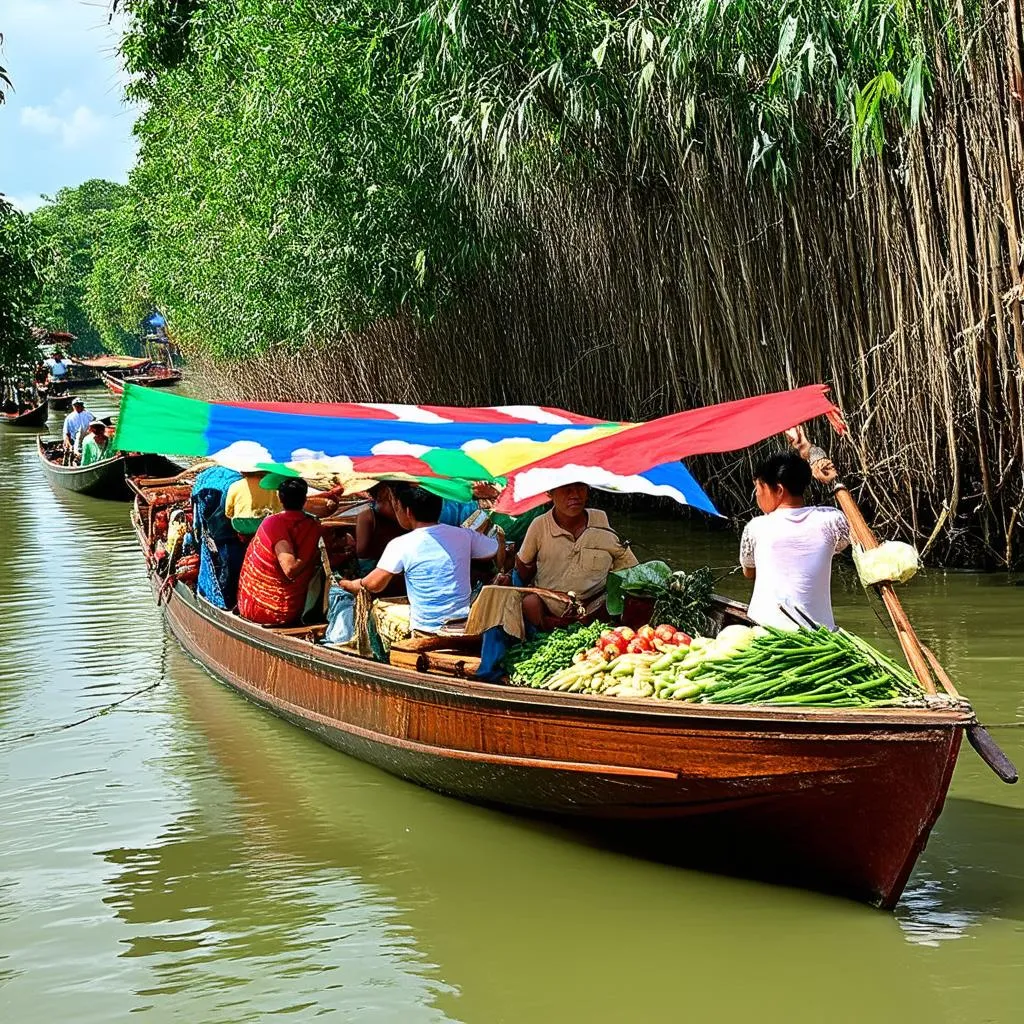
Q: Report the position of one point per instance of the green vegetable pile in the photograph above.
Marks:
(808, 667)
(681, 599)
(742, 665)
(685, 601)
(531, 663)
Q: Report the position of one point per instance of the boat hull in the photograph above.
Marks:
(116, 384)
(841, 802)
(31, 418)
(107, 479)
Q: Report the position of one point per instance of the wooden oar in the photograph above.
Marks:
(921, 660)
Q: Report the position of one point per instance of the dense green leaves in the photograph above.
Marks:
(72, 229)
(19, 286)
(308, 167)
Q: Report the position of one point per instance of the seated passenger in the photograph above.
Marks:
(280, 561)
(571, 548)
(97, 445)
(376, 527)
(247, 499)
(435, 558)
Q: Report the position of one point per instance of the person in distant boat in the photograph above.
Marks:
(435, 558)
(97, 445)
(76, 423)
(41, 375)
(247, 499)
(57, 367)
(788, 550)
(280, 561)
(570, 548)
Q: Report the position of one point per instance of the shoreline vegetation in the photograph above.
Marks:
(621, 209)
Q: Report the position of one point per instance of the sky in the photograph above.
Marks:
(65, 121)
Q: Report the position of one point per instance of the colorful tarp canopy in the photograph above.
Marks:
(445, 448)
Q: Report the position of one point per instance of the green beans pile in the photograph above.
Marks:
(809, 667)
(534, 662)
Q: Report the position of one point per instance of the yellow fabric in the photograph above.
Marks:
(503, 606)
(579, 565)
(247, 500)
(391, 618)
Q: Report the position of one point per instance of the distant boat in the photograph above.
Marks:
(155, 377)
(104, 479)
(34, 417)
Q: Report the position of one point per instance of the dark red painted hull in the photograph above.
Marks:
(842, 801)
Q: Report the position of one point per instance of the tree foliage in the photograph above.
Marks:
(308, 167)
(20, 286)
(72, 228)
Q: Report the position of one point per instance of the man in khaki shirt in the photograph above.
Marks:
(570, 548)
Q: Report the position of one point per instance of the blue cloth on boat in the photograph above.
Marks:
(209, 493)
(219, 569)
(496, 643)
(341, 616)
(455, 513)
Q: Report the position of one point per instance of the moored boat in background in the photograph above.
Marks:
(152, 377)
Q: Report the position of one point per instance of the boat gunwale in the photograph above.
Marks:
(72, 471)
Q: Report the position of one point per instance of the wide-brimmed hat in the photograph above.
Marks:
(77, 401)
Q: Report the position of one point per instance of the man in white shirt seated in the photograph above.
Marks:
(76, 423)
(435, 558)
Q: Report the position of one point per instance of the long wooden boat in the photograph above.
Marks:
(106, 479)
(837, 799)
(153, 378)
(34, 417)
(60, 400)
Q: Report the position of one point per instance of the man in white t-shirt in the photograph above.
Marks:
(76, 423)
(436, 560)
(788, 551)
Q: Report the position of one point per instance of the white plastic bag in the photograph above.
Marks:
(891, 562)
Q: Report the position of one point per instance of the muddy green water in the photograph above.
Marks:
(188, 857)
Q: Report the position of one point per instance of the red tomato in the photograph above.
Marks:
(647, 632)
(606, 635)
(666, 633)
(625, 632)
(618, 645)
(682, 639)
(638, 645)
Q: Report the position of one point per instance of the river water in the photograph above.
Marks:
(186, 856)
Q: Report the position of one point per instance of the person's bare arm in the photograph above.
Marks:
(290, 565)
(364, 532)
(749, 572)
(374, 581)
(526, 570)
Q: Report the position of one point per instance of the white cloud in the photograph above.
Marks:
(76, 129)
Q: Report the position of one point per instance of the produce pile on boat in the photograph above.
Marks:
(742, 665)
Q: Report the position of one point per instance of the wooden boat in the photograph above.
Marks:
(59, 399)
(837, 799)
(106, 479)
(34, 417)
(155, 377)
